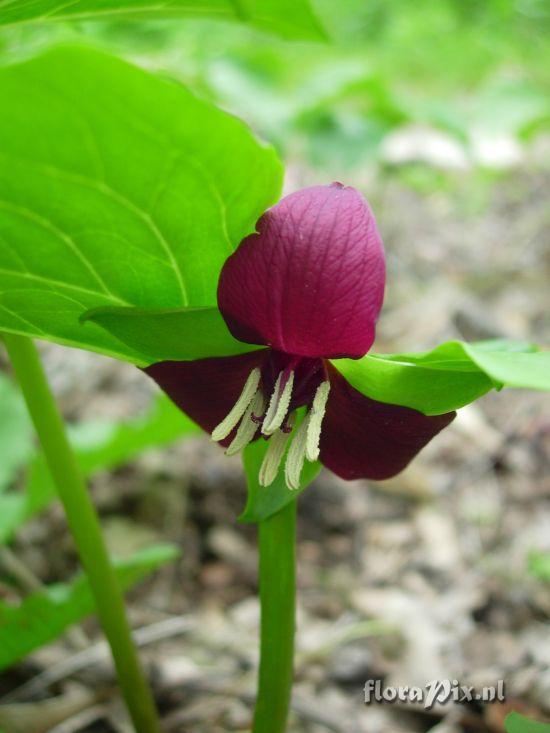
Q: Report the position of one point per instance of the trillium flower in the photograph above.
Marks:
(308, 286)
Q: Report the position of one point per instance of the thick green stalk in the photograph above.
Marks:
(278, 607)
(84, 525)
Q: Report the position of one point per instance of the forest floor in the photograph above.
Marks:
(423, 577)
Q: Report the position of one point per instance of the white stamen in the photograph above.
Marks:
(248, 427)
(297, 455)
(237, 411)
(317, 414)
(278, 405)
(274, 454)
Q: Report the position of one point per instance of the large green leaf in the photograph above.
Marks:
(170, 335)
(44, 615)
(117, 188)
(289, 18)
(448, 377)
(16, 432)
(98, 446)
(263, 501)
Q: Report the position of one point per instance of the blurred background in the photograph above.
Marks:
(440, 113)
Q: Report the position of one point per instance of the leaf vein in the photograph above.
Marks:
(63, 237)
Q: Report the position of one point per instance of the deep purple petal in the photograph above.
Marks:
(311, 281)
(206, 389)
(363, 438)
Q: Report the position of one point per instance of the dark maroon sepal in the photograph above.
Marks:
(206, 389)
(363, 438)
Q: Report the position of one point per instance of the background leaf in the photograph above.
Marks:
(43, 616)
(539, 565)
(516, 723)
(117, 188)
(98, 446)
(16, 432)
(263, 501)
(170, 335)
(290, 18)
(448, 377)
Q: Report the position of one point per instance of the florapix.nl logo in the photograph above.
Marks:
(436, 691)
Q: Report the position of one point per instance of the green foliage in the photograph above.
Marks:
(516, 723)
(170, 335)
(290, 18)
(444, 44)
(117, 188)
(539, 565)
(509, 107)
(337, 102)
(98, 446)
(448, 377)
(46, 614)
(392, 63)
(264, 501)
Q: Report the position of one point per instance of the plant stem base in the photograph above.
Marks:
(278, 604)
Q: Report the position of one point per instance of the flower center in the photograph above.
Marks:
(268, 403)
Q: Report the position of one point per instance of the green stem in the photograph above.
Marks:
(278, 604)
(84, 525)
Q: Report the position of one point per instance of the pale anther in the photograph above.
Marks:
(278, 405)
(317, 414)
(248, 427)
(297, 455)
(274, 454)
(237, 411)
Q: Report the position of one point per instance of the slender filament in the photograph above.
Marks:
(297, 455)
(317, 414)
(237, 411)
(274, 454)
(278, 405)
(249, 426)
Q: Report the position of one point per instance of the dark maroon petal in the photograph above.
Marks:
(363, 438)
(311, 281)
(206, 389)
